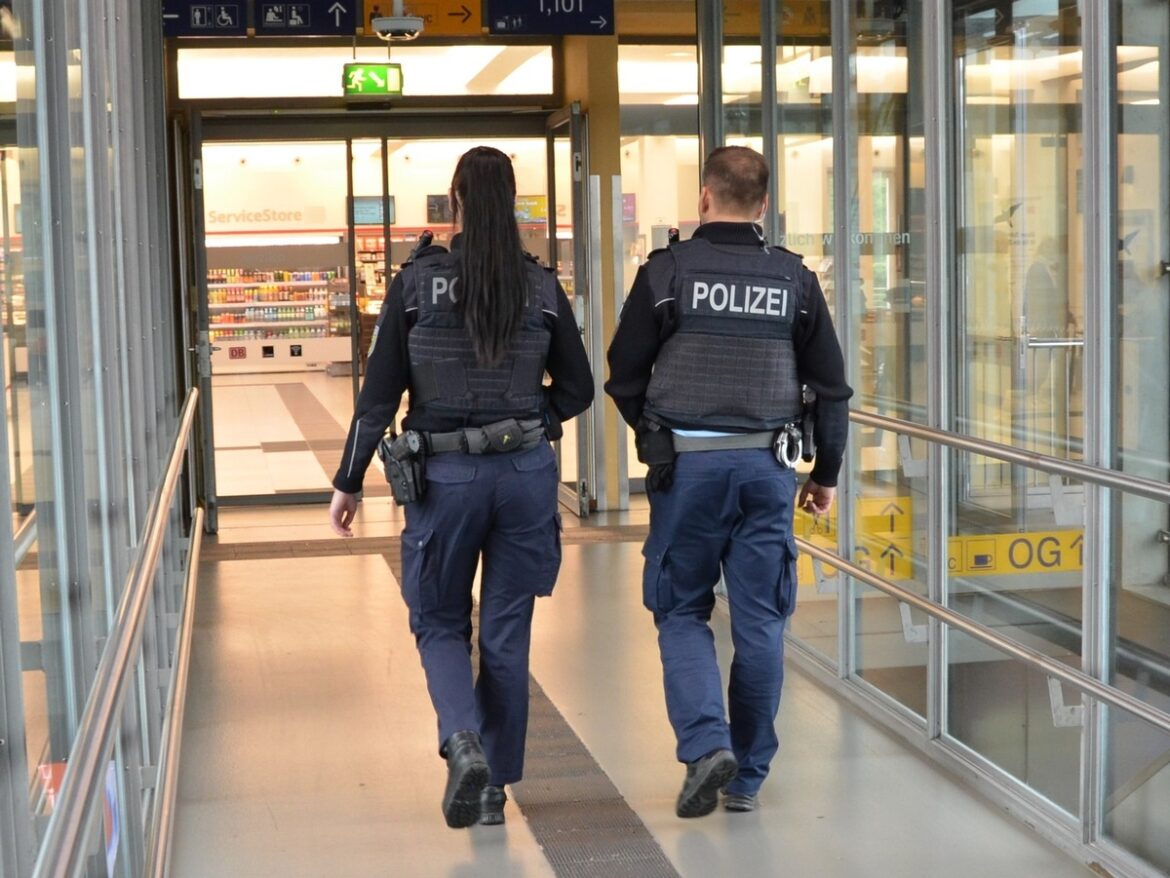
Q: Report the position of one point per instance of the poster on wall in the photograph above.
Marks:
(629, 207)
(367, 210)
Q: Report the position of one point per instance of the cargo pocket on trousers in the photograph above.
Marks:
(657, 582)
(786, 587)
(547, 577)
(420, 585)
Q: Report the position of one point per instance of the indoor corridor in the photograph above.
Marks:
(309, 741)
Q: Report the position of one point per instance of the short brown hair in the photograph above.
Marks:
(737, 177)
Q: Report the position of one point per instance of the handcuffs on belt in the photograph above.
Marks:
(787, 445)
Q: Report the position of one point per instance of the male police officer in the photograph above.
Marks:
(716, 339)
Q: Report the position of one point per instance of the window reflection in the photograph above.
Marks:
(887, 317)
(1137, 803)
(658, 87)
(1017, 535)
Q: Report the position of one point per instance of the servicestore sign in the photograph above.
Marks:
(260, 187)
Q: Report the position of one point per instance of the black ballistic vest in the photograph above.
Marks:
(731, 364)
(444, 374)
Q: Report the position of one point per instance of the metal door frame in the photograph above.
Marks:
(570, 120)
(268, 128)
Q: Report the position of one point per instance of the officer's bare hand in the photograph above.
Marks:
(815, 498)
(341, 512)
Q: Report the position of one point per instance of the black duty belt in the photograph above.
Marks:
(498, 438)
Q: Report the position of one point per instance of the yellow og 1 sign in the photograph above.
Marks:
(1055, 551)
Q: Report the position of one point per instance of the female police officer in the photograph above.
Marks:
(471, 333)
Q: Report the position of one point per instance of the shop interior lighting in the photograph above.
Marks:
(226, 73)
(8, 77)
(261, 240)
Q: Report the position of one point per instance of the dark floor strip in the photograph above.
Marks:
(578, 817)
(573, 809)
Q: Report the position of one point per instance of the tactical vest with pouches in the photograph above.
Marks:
(731, 364)
(445, 376)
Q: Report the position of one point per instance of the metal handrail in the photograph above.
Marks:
(24, 537)
(95, 733)
(1149, 488)
(1036, 659)
(158, 848)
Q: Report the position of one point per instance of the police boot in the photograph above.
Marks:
(467, 774)
(491, 802)
(705, 778)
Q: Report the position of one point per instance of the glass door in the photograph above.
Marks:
(302, 241)
(569, 251)
(276, 294)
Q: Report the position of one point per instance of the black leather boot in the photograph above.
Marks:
(491, 801)
(467, 773)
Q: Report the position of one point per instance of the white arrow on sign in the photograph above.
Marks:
(381, 83)
(338, 10)
(600, 22)
(170, 15)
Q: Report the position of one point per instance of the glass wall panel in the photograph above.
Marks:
(887, 312)
(1016, 535)
(1137, 796)
(742, 89)
(1137, 788)
(804, 186)
(1016, 717)
(1027, 586)
(90, 356)
(1020, 244)
(14, 318)
(658, 91)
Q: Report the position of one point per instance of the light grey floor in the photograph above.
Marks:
(309, 747)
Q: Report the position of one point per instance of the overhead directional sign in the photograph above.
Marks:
(550, 17)
(191, 18)
(441, 18)
(308, 18)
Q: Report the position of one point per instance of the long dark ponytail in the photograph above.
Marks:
(492, 274)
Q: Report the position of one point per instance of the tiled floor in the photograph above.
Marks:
(309, 746)
(284, 432)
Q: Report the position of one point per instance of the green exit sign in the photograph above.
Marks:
(377, 80)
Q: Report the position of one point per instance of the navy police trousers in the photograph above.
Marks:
(730, 510)
(501, 508)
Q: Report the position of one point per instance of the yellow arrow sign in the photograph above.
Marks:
(876, 515)
(448, 17)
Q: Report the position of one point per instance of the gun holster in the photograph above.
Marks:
(654, 443)
(808, 424)
(404, 459)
